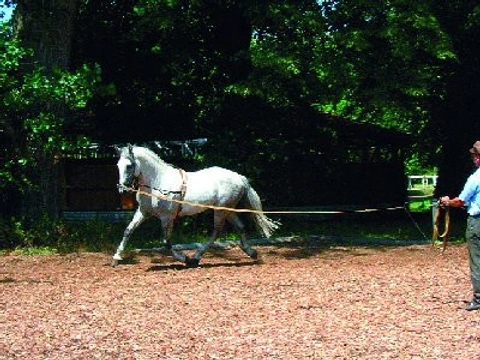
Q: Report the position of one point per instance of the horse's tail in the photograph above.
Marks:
(265, 225)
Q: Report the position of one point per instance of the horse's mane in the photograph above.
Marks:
(141, 151)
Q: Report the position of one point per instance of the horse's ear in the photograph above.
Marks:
(130, 150)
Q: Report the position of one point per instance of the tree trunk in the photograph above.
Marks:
(47, 27)
(460, 112)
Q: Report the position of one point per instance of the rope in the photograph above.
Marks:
(278, 212)
(436, 220)
(415, 223)
(326, 212)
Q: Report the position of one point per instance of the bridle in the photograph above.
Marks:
(131, 181)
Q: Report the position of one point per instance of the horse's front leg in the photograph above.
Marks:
(167, 224)
(138, 219)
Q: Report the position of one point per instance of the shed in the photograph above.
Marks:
(340, 162)
(337, 162)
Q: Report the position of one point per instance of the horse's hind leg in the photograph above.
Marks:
(237, 223)
(218, 222)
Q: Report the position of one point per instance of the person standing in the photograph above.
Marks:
(470, 196)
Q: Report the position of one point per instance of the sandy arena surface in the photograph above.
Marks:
(298, 303)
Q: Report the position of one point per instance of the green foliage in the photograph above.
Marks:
(377, 62)
(36, 107)
(179, 69)
(10, 57)
(35, 251)
(45, 234)
(392, 54)
(416, 165)
(60, 236)
(174, 67)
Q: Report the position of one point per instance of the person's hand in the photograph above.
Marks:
(444, 200)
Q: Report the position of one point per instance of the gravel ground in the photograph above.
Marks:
(299, 302)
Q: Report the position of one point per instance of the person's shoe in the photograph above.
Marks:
(472, 305)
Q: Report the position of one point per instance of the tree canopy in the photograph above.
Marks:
(178, 62)
(229, 70)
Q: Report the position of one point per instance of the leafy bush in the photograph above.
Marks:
(59, 235)
(94, 235)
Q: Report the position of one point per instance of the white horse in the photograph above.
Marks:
(158, 182)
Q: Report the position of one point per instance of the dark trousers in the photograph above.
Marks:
(472, 235)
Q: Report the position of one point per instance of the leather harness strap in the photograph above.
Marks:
(183, 190)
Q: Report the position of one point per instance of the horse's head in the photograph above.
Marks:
(127, 168)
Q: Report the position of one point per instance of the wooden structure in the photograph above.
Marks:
(339, 162)
(422, 180)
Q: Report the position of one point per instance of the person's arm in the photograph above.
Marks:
(455, 202)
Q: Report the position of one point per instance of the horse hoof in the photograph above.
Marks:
(192, 263)
(114, 263)
(253, 254)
